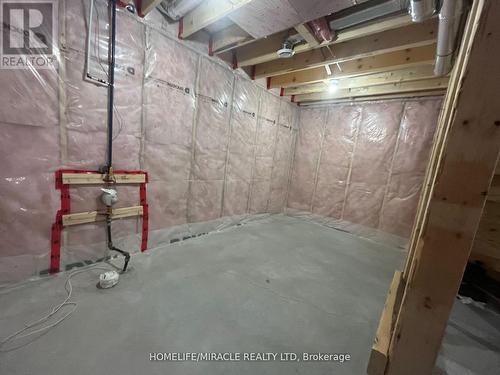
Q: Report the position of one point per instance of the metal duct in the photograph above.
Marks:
(421, 10)
(176, 9)
(366, 12)
(449, 23)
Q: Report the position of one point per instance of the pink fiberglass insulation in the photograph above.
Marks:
(211, 135)
(85, 117)
(338, 145)
(364, 163)
(30, 153)
(169, 108)
(307, 152)
(371, 163)
(213, 142)
(282, 158)
(267, 126)
(243, 128)
(408, 169)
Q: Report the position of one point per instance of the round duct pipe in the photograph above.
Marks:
(449, 23)
(421, 10)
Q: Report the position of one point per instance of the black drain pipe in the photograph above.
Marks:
(111, 87)
(111, 94)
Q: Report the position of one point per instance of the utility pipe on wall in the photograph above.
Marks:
(111, 86)
(449, 22)
(421, 10)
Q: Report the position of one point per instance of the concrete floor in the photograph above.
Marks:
(278, 285)
(471, 345)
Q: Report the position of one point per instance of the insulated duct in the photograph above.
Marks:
(449, 23)
(421, 10)
(321, 30)
(176, 9)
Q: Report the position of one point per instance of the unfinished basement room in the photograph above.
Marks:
(250, 187)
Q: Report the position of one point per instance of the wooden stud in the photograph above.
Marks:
(378, 357)
(462, 165)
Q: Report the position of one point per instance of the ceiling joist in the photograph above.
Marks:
(228, 37)
(207, 13)
(264, 50)
(368, 65)
(439, 84)
(415, 35)
(304, 30)
(146, 6)
(394, 76)
(402, 95)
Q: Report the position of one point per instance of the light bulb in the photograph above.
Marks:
(333, 86)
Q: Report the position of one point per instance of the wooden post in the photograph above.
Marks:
(461, 168)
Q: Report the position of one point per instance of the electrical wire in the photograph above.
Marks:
(69, 290)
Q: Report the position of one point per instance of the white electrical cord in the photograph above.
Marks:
(69, 290)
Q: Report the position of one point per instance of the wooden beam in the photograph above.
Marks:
(206, 13)
(261, 50)
(391, 88)
(414, 35)
(378, 356)
(463, 162)
(94, 216)
(438, 146)
(98, 178)
(393, 76)
(146, 6)
(265, 49)
(304, 30)
(402, 95)
(368, 65)
(230, 36)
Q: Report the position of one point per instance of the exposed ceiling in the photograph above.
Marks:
(377, 51)
(261, 18)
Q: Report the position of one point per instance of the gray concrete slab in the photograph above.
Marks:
(277, 285)
(471, 345)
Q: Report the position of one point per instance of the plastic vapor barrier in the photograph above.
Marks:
(217, 147)
(362, 165)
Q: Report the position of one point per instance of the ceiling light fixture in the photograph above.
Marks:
(333, 86)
